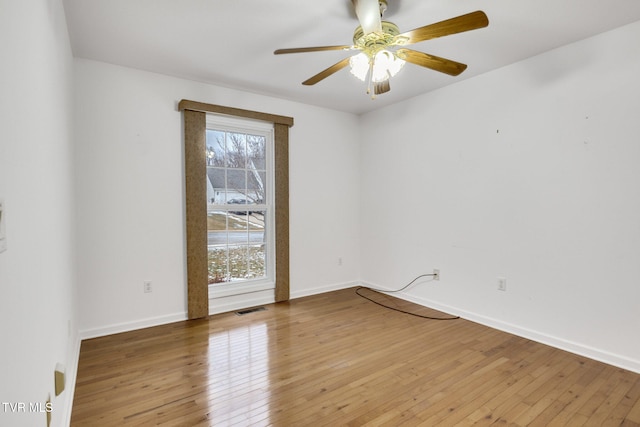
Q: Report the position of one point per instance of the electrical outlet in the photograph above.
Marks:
(147, 286)
(436, 274)
(502, 284)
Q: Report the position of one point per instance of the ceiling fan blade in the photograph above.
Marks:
(460, 24)
(311, 49)
(326, 73)
(436, 63)
(368, 12)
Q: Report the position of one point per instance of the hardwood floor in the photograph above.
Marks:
(339, 360)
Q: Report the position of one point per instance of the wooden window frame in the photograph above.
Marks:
(196, 199)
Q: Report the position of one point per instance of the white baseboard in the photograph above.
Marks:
(323, 289)
(132, 326)
(560, 343)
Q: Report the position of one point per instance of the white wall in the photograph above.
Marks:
(37, 284)
(131, 202)
(528, 173)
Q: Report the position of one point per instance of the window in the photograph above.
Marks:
(199, 292)
(240, 205)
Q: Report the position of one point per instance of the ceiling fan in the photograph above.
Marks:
(381, 45)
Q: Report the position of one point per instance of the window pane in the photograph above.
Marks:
(256, 152)
(257, 257)
(236, 186)
(238, 262)
(216, 186)
(218, 265)
(256, 227)
(217, 221)
(238, 228)
(215, 148)
(255, 187)
(236, 150)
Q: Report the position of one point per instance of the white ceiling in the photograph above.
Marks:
(231, 42)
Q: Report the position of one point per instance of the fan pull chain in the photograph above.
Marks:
(370, 80)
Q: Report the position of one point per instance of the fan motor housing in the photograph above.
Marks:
(376, 40)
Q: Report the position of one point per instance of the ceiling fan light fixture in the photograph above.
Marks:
(383, 65)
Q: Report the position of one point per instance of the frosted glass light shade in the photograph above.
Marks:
(385, 64)
(359, 65)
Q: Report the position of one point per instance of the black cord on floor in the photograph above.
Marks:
(399, 290)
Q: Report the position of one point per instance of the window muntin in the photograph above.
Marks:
(240, 217)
